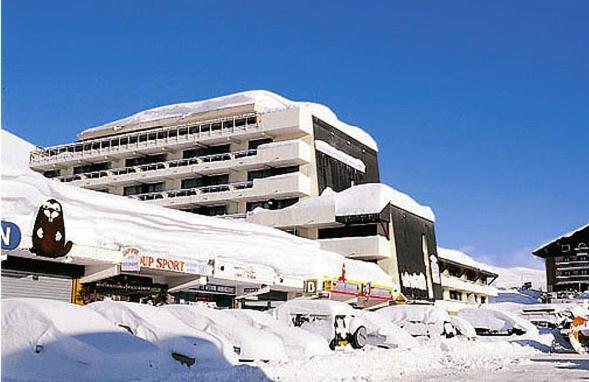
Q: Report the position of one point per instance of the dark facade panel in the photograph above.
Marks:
(335, 174)
(409, 231)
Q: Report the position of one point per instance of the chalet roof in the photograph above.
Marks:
(541, 251)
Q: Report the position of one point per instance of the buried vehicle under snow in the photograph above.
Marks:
(335, 321)
(248, 342)
(185, 344)
(420, 320)
(489, 322)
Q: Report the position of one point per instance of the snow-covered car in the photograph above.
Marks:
(298, 343)
(384, 333)
(248, 342)
(463, 327)
(52, 340)
(420, 320)
(335, 321)
(184, 343)
(489, 322)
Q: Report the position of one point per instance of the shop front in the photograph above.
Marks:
(25, 276)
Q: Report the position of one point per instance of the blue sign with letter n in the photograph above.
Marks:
(10, 235)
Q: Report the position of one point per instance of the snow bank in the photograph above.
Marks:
(369, 198)
(341, 156)
(45, 340)
(101, 222)
(265, 101)
(167, 332)
(449, 357)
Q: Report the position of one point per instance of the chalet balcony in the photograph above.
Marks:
(280, 186)
(456, 283)
(275, 154)
(359, 248)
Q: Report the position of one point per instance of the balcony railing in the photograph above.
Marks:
(193, 191)
(152, 137)
(468, 286)
(158, 166)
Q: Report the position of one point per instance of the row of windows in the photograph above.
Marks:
(567, 247)
(204, 181)
(272, 204)
(148, 136)
(580, 272)
(145, 188)
(100, 166)
(158, 158)
(575, 258)
(208, 210)
(265, 173)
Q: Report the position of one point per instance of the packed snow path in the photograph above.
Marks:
(473, 362)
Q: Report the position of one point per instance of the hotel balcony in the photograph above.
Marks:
(359, 248)
(274, 187)
(276, 154)
(178, 137)
(459, 284)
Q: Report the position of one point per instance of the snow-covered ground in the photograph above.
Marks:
(49, 341)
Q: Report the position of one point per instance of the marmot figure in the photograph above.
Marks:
(49, 231)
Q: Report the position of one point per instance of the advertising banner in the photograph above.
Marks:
(252, 273)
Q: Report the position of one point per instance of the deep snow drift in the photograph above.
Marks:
(104, 224)
(51, 341)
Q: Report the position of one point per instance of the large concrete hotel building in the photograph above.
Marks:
(260, 157)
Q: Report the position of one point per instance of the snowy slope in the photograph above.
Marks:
(264, 100)
(517, 276)
(99, 221)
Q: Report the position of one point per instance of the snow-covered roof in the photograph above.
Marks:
(369, 198)
(462, 258)
(264, 101)
(98, 220)
(563, 236)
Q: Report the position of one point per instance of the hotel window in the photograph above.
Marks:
(455, 295)
(143, 189)
(52, 173)
(565, 248)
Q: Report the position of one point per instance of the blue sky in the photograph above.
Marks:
(480, 108)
